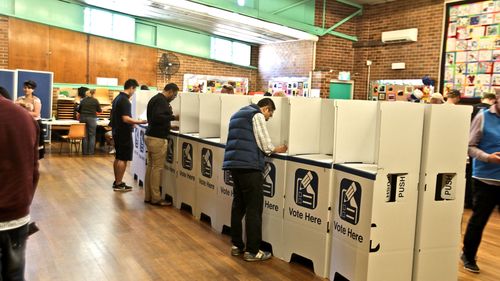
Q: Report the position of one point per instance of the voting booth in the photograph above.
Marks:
(374, 206)
(209, 115)
(274, 203)
(189, 113)
(139, 101)
(307, 210)
(188, 167)
(140, 154)
(278, 125)
(170, 170)
(225, 193)
(230, 104)
(441, 192)
(207, 179)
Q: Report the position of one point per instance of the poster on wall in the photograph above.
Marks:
(213, 84)
(471, 60)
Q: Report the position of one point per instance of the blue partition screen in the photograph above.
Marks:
(8, 81)
(43, 89)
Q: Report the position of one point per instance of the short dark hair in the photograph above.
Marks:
(82, 91)
(30, 84)
(489, 96)
(4, 93)
(144, 87)
(130, 83)
(171, 87)
(266, 102)
(454, 94)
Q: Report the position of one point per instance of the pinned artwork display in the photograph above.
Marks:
(472, 47)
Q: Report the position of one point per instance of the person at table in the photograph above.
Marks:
(34, 106)
(87, 112)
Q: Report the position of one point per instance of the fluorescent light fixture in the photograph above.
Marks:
(241, 2)
(241, 19)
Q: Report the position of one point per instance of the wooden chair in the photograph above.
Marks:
(74, 137)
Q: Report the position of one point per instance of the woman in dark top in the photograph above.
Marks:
(87, 111)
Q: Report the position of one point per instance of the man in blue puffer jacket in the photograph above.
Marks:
(248, 143)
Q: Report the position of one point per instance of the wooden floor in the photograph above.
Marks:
(89, 232)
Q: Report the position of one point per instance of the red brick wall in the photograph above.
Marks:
(333, 54)
(195, 65)
(421, 58)
(4, 42)
(288, 59)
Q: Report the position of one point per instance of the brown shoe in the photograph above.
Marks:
(162, 203)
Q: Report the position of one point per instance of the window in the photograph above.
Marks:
(107, 24)
(228, 51)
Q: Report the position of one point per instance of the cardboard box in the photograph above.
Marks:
(441, 192)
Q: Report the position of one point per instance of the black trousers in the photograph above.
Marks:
(247, 201)
(12, 253)
(486, 198)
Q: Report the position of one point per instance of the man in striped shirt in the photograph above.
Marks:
(248, 143)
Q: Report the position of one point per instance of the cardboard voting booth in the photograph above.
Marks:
(140, 154)
(441, 192)
(189, 113)
(140, 103)
(370, 226)
(386, 192)
(209, 115)
(207, 179)
(354, 131)
(188, 167)
(274, 203)
(307, 210)
(230, 104)
(303, 138)
(170, 170)
(225, 193)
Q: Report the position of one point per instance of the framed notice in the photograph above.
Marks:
(471, 59)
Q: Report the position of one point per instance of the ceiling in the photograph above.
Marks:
(204, 18)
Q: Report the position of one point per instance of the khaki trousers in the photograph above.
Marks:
(157, 152)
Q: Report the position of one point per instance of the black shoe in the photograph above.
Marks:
(122, 187)
(235, 251)
(260, 256)
(469, 265)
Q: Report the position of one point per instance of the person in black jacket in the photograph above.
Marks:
(87, 111)
(159, 114)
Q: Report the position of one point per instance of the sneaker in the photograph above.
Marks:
(469, 265)
(112, 151)
(260, 256)
(122, 187)
(235, 251)
(162, 203)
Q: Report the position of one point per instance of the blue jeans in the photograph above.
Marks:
(89, 140)
(12, 253)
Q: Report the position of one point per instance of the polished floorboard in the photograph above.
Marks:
(89, 232)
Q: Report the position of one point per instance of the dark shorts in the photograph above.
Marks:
(124, 145)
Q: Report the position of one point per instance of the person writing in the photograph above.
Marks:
(34, 106)
(160, 115)
(122, 125)
(248, 143)
(484, 147)
(87, 113)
